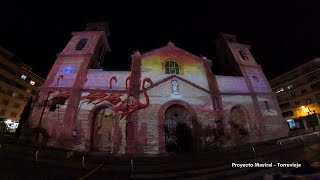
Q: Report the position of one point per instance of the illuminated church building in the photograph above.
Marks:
(125, 111)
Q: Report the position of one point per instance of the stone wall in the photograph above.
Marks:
(148, 119)
(232, 84)
(100, 80)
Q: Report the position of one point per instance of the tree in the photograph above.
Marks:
(24, 117)
(207, 138)
(192, 135)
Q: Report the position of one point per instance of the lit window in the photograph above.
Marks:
(280, 90)
(291, 123)
(23, 77)
(14, 95)
(172, 67)
(290, 87)
(32, 83)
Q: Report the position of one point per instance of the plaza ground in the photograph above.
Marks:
(20, 162)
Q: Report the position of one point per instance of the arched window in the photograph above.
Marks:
(172, 67)
(81, 44)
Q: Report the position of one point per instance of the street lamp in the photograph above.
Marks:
(44, 106)
(41, 115)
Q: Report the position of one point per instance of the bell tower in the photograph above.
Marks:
(85, 50)
(238, 57)
(238, 60)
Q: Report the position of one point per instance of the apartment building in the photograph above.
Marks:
(17, 84)
(298, 94)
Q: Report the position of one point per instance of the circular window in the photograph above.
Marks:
(67, 69)
(256, 79)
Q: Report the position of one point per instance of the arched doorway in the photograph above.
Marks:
(177, 129)
(102, 127)
(238, 120)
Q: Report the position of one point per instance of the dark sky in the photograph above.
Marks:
(282, 34)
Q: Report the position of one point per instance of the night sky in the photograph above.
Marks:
(282, 34)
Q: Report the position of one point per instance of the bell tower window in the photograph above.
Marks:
(82, 42)
(172, 67)
(243, 55)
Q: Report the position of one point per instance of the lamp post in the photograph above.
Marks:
(43, 108)
(41, 116)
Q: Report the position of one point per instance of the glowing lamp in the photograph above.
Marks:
(305, 109)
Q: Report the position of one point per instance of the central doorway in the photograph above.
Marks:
(177, 129)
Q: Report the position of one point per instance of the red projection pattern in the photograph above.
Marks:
(59, 98)
(126, 106)
(132, 104)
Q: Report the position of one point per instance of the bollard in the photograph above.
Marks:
(82, 162)
(131, 166)
(302, 140)
(37, 156)
(254, 152)
(318, 136)
(281, 146)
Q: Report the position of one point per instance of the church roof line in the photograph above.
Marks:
(171, 45)
(180, 78)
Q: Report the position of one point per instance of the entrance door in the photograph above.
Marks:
(102, 131)
(238, 121)
(177, 129)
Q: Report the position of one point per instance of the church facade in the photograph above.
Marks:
(125, 111)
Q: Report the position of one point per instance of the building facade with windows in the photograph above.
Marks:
(125, 111)
(17, 84)
(298, 94)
